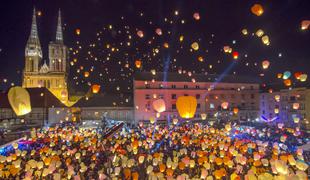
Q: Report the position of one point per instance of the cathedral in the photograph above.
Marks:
(37, 73)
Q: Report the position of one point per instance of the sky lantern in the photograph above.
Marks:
(196, 16)
(227, 49)
(95, 88)
(286, 75)
(279, 75)
(305, 24)
(295, 106)
(235, 110)
(259, 33)
(166, 45)
(77, 31)
(224, 105)
(200, 59)
(140, 33)
(138, 63)
(203, 116)
(265, 40)
(186, 106)
(257, 9)
(303, 77)
(159, 105)
(277, 98)
(158, 31)
(265, 64)
(195, 46)
(287, 82)
(244, 31)
(86, 74)
(19, 100)
(276, 110)
(235, 55)
(181, 38)
(297, 75)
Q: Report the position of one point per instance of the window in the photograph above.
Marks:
(147, 96)
(174, 107)
(185, 86)
(173, 86)
(222, 96)
(211, 96)
(161, 86)
(148, 106)
(251, 87)
(185, 94)
(198, 106)
(252, 96)
(147, 86)
(243, 104)
(243, 96)
(173, 96)
(197, 96)
(161, 96)
(232, 96)
(211, 106)
(197, 87)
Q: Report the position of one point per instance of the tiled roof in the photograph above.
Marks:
(106, 100)
(176, 77)
(39, 97)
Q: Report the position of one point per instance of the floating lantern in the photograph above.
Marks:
(286, 75)
(77, 31)
(277, 97)
(140, 33)
(138, 63)
(259, 33)
(159, 105)
(86, 74)
(303, 77)
(95, 88)
(265, 40)
(265, 64)
(196, 16)
(195, 46)
(295, 106)
(257, 9)
(244, 31)
(236, 110)
(19, 100)
(158, 31)
(287, 82)
(224, 105)
(235, 55)
(186, 106)
(305, 24)
(203, 116)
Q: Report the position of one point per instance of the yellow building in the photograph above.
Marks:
(53, 75)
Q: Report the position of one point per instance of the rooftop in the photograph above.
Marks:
(39, 97)
(176, 77)
(106, 100)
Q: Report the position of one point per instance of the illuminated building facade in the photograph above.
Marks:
(241, 93)
(288, 106)
(53, 75)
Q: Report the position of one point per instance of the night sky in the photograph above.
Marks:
(220, 24)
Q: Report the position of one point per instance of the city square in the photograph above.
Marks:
(147, 90)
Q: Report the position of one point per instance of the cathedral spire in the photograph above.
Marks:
(34, 27)
(59, 36)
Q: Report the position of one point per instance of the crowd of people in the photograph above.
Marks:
(180, 151)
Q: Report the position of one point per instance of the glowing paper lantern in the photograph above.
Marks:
(186, 106)
(265, 40)
(297, 75)
(235, 110)
(279, 75)
(303, 77)
(181, 38)
(175, 121)
(286, 75)
(77, 31)
(203, 116)
(166, 45)
(287, 82)
(265, 64)
(295, 106)
(19, 100)
(196, 16)
(244, 31)
(257, 9)
(195, 46)
(305, 24)
(95, 88)
(227, 49)
(235, 55)
(200, 58)
(277, 97)
(259, 33)
(158, 31)
(224, 105)
(140, 33)
(152, 120)
(86, 74)
(276, 110)
(138, 63)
